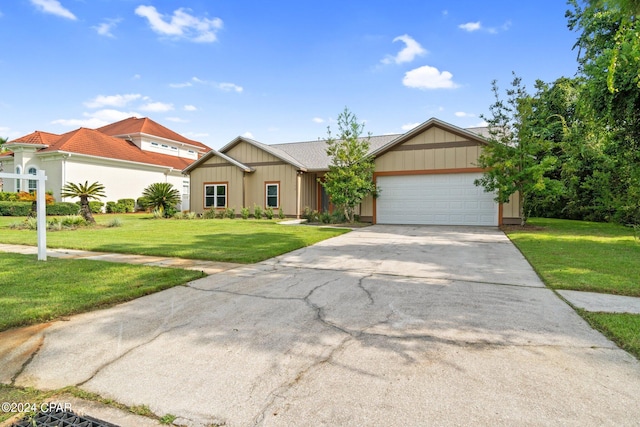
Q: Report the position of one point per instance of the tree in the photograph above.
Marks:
(162, 196)
(85, 192)
(516, 158)
(2, 142)
(350, 176)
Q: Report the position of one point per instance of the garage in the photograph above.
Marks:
(434, 199)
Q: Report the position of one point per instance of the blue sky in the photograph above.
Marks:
(277, 71)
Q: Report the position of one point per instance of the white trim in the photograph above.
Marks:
(215, 195)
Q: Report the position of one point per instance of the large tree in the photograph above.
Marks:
(85, 192)
(350, 176)
(517, 157)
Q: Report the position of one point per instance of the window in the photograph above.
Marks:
(155, 144)
(272, 195)
(215, 195)
(18, 181)
(33, 183)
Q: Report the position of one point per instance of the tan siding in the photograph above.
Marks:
(232, 175)
(247, 153)
(284, 174)
(511, 209)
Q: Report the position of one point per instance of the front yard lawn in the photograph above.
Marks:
(581, 255)
(237, 240)
(33, 291)
(588, 256)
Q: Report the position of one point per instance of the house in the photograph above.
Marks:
(125, 157)
(425, 176)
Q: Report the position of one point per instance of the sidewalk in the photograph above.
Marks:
(208, 267)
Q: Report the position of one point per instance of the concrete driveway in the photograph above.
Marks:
(387, 325)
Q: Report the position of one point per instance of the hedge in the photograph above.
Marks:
(24, 208)
(129, 204)
(94, 206)
(7, 196)
(113, 207)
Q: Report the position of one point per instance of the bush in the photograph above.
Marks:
(94, 206)
(281, 214)
(268, 212)
(116, 207)
(310, 215)
(129, 204)
(115, 222)
(6, 196)
(244, 213)
(15, 208)
(209, 214)
(230, 213)
(63, 208)
(143, 204)
(257, 212)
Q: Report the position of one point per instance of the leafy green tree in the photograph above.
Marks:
(350, 176)
(85, 192)
(162, 196)
(516, 158)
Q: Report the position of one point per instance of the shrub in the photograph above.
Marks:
(15, 208)
(23, 196)
(63, 208)
(143, 204)
(94, 206)
(116, 207)
(129, 204)
(230, 213)
(268, 212)
(158, 213)
(209, 214)
(281, 214)
(310, 215)
(72, 221)
(6, 196)
(115, 222)
(244, 213)
(257, 212)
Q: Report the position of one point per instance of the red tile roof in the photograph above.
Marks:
(102, 142)
(147, 126)
(94, 143)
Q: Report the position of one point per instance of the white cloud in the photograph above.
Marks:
(181, 24)
(176, 120)
(318, 120)
(408, 126)
(411, 50)
(157, 107)
(112, 100)
(230, 87)
(180, 85)
(463, 114)
(97, 119)
(54, 8)
(104, 29)
(190, 108)
(248, 135)
(427, 77)
(471, 26)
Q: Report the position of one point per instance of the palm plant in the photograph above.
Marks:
(163, 197)
(85, 192)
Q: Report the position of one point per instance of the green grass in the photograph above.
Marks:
(241, 241)
(621, 328)
(32, 291)
(581, 255)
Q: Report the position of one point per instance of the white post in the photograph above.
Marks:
(41, 208)
(42, 216)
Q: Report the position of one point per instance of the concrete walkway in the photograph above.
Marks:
(386, 325)
(208, 267)
(589, 301)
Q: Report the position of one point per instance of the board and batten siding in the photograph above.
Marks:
(215, 170)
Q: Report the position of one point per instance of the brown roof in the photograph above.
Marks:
(134, 125)
(94, 143)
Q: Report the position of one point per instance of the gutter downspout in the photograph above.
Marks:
(64, 171)
(298, 192)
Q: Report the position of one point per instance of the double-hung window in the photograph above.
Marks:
(18, 181)
(272, 194)
(215, 195)
(33, 184)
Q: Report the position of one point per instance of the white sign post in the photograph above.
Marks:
(40, 177)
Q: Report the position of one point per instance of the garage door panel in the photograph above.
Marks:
(445, 199)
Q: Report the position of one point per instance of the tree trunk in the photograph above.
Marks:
(85, 210)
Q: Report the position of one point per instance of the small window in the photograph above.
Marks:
(192, 152)
(33, 183)
(18, 181)
(272, 195)
(164, 146)
(174, 148)
(155, 144)
(215, 195)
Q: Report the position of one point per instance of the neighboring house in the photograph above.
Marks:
(125, 157)
(425, 176)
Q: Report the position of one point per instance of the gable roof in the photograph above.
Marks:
(146, 126)
(465, 133)
(313, 154)
(271, 149)
(212, 153)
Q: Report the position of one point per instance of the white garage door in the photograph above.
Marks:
(440, 199)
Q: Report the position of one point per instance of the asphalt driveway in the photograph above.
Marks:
(387, 325)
